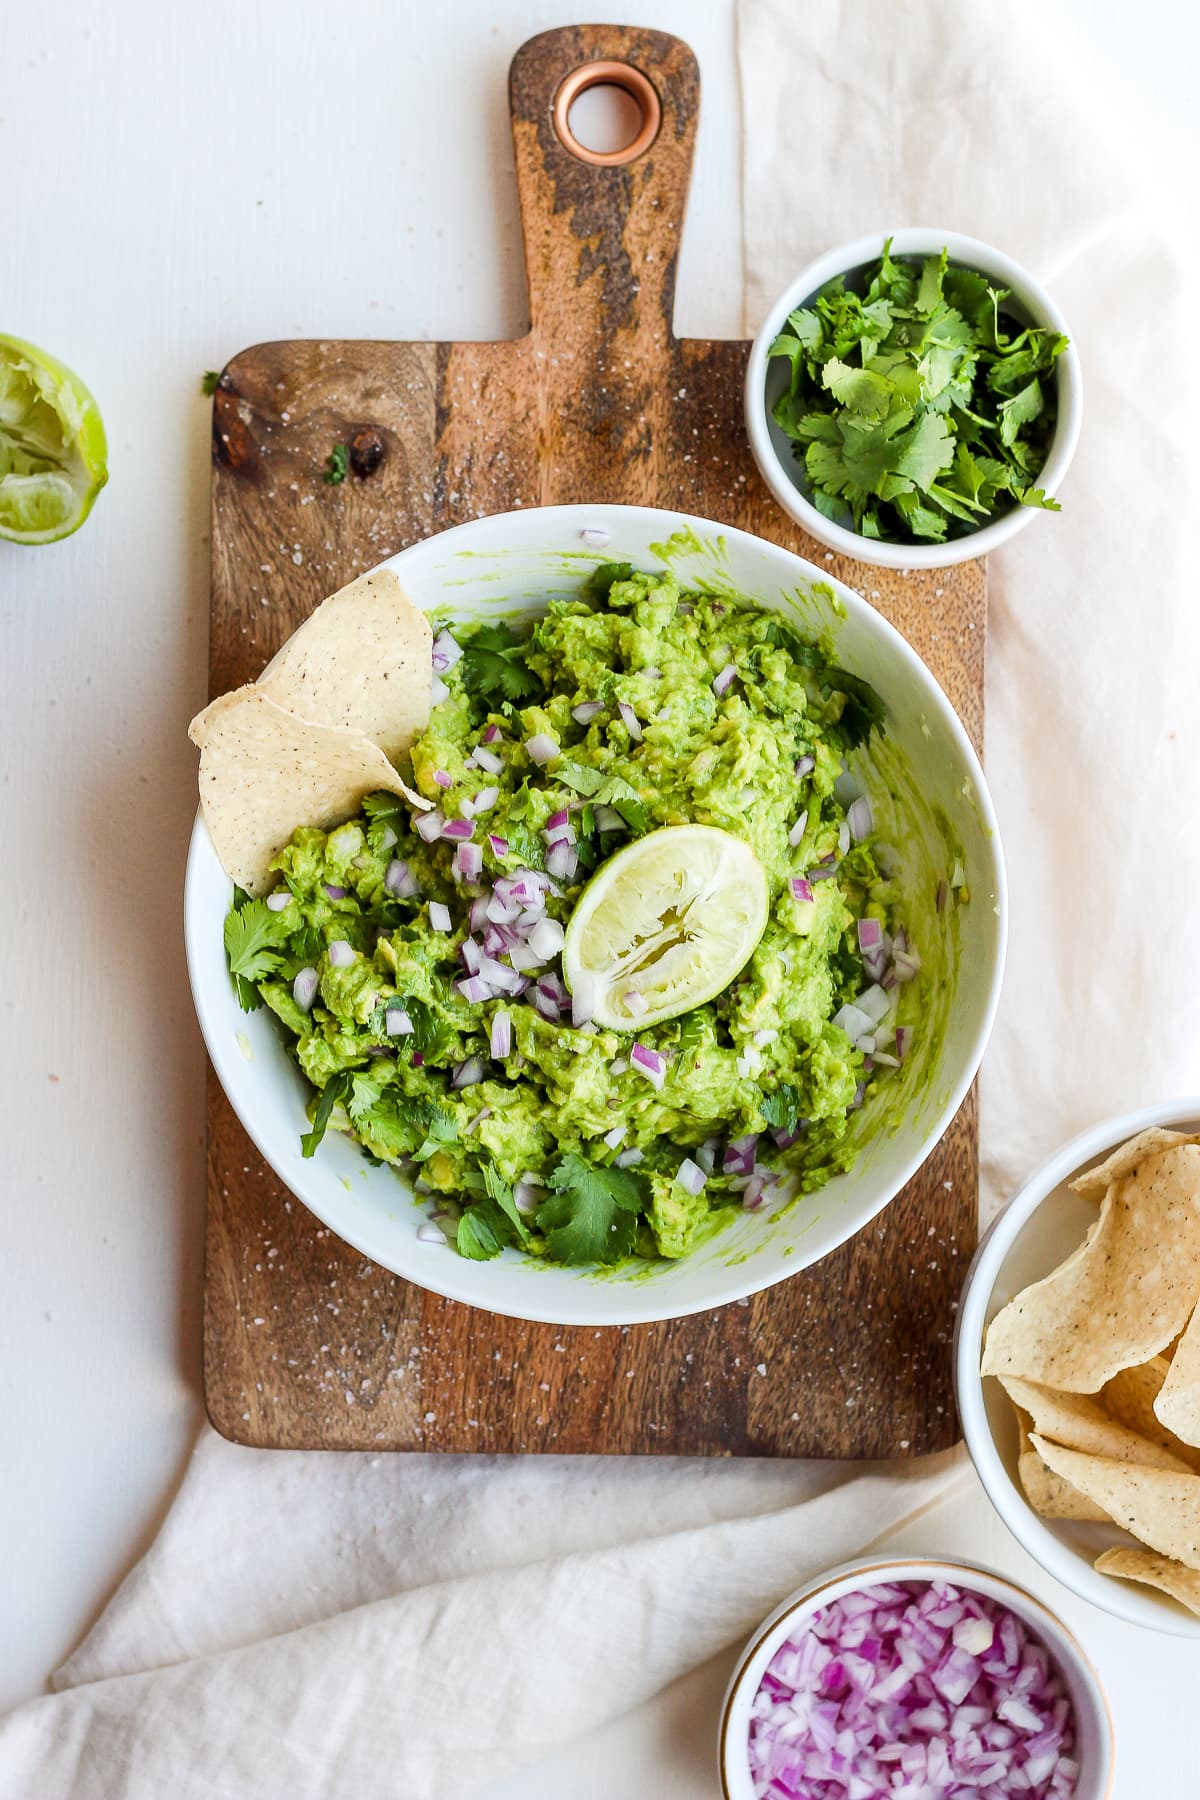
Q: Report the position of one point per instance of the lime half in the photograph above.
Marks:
(664, 925)
(52, 446)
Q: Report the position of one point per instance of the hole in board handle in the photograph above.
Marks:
(632, 84)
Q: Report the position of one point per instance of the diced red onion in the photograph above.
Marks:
(429, 1233)
(487, 760)
(418, 1059)
(626, 1159)
(583, 1000)
(630, 721)
(467, 863)
(500, 1038)
(499, 845)
(547, 1006)
(429, 826)
(493, 735)
(466, 807)
(722, 682)
(400, 880)
(615, 1137)
(801, 889)
(477, 913)
(340, 954)
(903, 1040)
(740, 1155)
(279, 899)
(439, 916)
(335, 893)
(443, 780)
(501, 977)
(874, 1002)
(805, 765)
(396, 1022)
(457, 831)
(843, 839)
(860, 819)
(821, 873)
(595, 535)
(906, 965)
(648, 1063)
(484, 800)
(387, 838)
(523, 958)
(475, 990)
(560, 834)
(690, 1176)
(542, 748)
(445, 652)
(472, 956)
(547, 938)
(468, 1073)
(853, 1021)
(608, 819)
(562, 861)
(586, 711)
(636, 1004)
(304, 988)
(438, 691)
(798, 829)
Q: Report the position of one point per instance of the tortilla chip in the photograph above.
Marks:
(263, 772)
(1160, 1508)
(1050, 1496)
(1172, 1577)
(1122, 1295)
(1129, 1397)
(361, 660)
(1080, 1423)
(1128, 1157)
(1178, 1402)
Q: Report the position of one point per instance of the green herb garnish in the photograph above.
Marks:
(210, 381)
(591, 1214)
(254, 937)
(337, 464)
(494, 667)
(918, 406)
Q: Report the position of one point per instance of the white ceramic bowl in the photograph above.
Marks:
(1036, 1232)
(519, 560)
(1094, 1750)
(766, 380)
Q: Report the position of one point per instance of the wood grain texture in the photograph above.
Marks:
(306, 1344)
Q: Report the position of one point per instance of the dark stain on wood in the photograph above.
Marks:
(306, 1344)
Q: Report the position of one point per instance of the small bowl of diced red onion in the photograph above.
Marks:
(920, 1680)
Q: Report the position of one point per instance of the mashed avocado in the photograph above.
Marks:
(416, 971)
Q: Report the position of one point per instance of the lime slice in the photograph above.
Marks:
(52, 446)
(664, 925)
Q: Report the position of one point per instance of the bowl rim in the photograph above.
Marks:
(641, 1304)
(1123, 1600)
(912, 240)
(845, 1577)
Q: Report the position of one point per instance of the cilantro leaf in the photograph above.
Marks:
(781, 1107)
(432, 1035)
(210, 381)
(494, 668)
(591, 1214)
(254, 939)
(604, 576)
(578, 777)
(337, 1088)
(475, 1236)
(337, 465)
(499, 1191)
(624, 799)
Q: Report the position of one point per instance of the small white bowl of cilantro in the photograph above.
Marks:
(914, 400)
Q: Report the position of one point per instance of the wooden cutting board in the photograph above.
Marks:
(306, 1344)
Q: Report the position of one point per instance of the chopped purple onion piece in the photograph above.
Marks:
(805, 765)
(484, 800)
(475, 990)
(630, 721)
(487, 760)
(801, 889)
(467, 863)
(397, 1022)
(690, 1176)
(798, 829)
(860, 820)
(721, 683)
(400, 880)
(468, 1073)
(438, 691)
(457, 831)
(443, 779)
(542, 748)
(500, 1038)
(586, 711)
(304, 988)
(429, 826)
(870, 934)
(627, 1159)
(439, 916)
(498, 845)
(335, 893)
(340, 953)
(649, 1063)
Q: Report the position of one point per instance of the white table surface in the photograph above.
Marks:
(193, 179)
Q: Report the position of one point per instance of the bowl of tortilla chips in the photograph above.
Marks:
(1077, 1366)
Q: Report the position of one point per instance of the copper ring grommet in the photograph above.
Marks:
(608, 74)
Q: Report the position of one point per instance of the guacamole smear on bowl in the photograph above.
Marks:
(416, 960)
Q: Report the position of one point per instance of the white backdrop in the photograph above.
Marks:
(190, 183)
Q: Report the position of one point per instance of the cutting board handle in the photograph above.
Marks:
(602, 235)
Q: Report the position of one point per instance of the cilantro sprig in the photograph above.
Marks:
(254, 940)
(590, 1214)
(919, 406)
(494, 668)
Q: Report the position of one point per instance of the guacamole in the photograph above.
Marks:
(414, 960)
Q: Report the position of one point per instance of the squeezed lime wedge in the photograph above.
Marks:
(53, 453)
(665, 925)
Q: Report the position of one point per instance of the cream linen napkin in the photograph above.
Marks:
(313, 1627)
